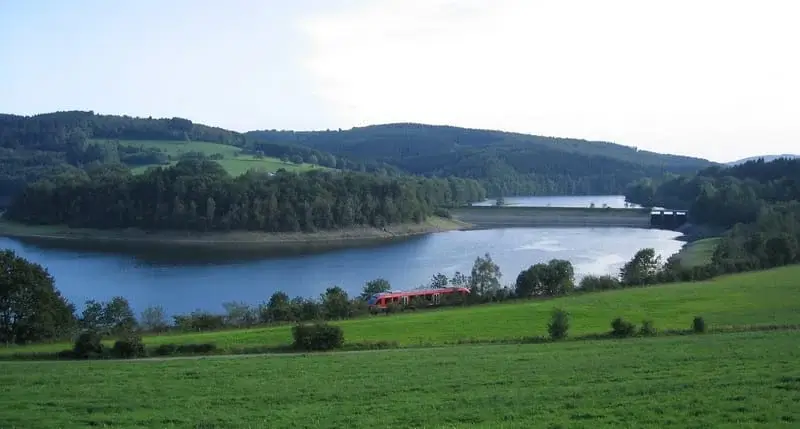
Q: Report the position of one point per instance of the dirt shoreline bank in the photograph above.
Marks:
(234, 239)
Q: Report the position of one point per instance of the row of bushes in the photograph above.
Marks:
(558, 326)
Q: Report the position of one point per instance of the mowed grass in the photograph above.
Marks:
(725, 380)
(235, 162)
(766, 297)
(698, 253)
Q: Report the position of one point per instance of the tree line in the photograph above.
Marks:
(199, 195)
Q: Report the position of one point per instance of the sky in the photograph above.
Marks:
(714, 79)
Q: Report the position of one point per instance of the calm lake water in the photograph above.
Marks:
(181, 286)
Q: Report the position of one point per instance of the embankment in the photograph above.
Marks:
(488, 217)
(235, 240)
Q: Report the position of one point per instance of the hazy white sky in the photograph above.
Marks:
(716, 79)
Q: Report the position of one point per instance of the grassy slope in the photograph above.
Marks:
(731, 380)
(698, 253)
(767, 297)
(234, 162)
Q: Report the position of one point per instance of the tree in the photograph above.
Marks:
(485, 276)
(279, 309)
(238, 314)
(459, 279)
(118, 316)
(439, 281)
(375, 286)
(31, 308)
(92, 315)
(154, 319)
(335, 303)
(555, 278)
(642, 269)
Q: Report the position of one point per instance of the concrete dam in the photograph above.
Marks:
(487, 217)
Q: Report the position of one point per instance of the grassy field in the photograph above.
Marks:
(235, 162)
(767, 297)
(727, 380)
(698, 253)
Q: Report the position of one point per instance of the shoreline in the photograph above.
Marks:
(233, 239)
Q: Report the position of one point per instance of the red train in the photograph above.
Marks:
(433, 297)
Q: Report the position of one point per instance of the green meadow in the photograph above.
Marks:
(756, 298)
(698, 253)
(743, 380)
(234, 161)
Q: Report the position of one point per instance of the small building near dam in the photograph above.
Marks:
(668, 219)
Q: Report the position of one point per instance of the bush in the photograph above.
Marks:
(394, 307)
(559, 324)
(647, 328)
(319, 336)
(621, 328)
(129, 347)
(88, 345)
(698, 325)
(195, 349)
(166, 350)
(65, 354)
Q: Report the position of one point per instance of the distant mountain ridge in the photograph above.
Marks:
(767, 158)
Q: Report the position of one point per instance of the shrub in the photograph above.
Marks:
(559, 324)
(129, 347)
(88, 345)
(65, 354)
(698, 325)
(621, 328)
(166, 350)
(192, 349)
(394, 307)
(319, 336)
(647, 328)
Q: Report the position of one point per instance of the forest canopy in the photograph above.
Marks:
(198, 194)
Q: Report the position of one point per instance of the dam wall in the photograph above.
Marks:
(487, 217)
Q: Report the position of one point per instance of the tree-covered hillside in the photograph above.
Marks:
(34, 147)
(200, 195)
(506, 163)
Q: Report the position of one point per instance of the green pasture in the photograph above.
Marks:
(235, 162)
(744, 380)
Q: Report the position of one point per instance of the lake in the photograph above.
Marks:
(182, 285)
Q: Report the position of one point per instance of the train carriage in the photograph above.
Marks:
(381, 301)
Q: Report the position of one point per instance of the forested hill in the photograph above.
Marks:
(507, 163)
(200, 195)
